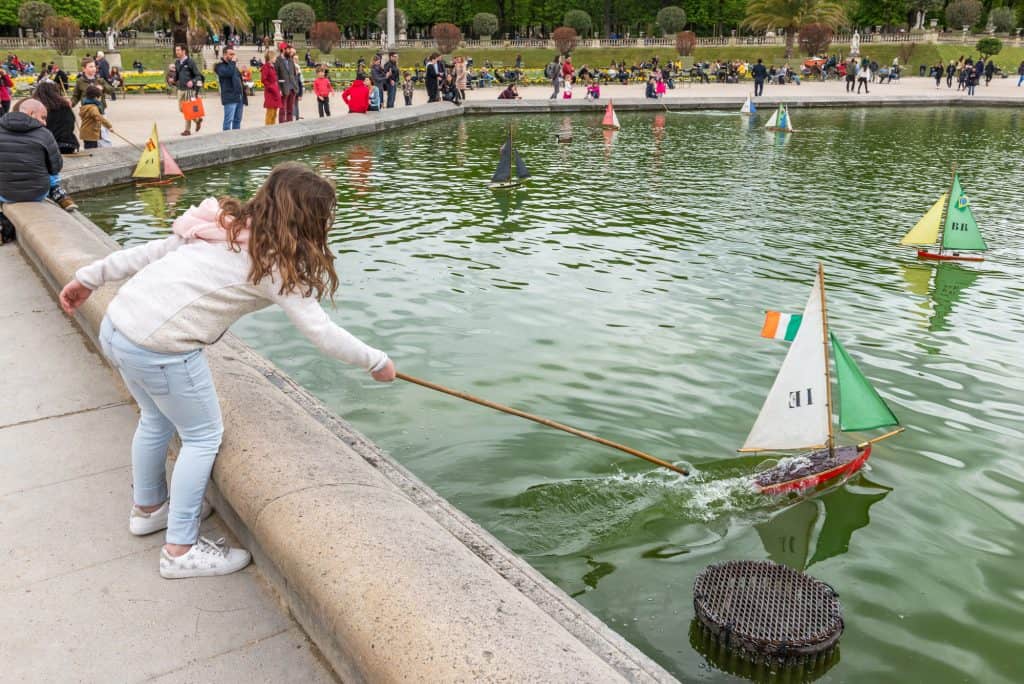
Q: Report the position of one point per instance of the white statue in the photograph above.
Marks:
(855, 43)
(110, 39)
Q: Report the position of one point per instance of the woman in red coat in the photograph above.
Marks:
(271, 88)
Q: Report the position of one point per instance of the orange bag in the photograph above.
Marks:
(193, 109)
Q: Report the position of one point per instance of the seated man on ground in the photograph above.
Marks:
(510, 93)
(32, 161)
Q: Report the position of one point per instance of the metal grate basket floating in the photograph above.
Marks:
(767, 612)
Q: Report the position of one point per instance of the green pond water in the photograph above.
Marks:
(622, 292)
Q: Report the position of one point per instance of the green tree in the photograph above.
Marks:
(963, 13)
(579, 20)
(791, 14)
(671, 19)
(182, 16)
(1002, 19)
(87, 12)
(32, 14)
(296, 17)
(485, 24)
(989, 47)
(8, 12)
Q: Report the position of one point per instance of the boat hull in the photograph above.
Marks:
(505, 185)
(954, 256)
(820, 468)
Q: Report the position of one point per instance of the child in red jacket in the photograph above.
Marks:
(322, 88)
(357, 96)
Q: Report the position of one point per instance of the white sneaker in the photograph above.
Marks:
(141, 523)
(205, 559)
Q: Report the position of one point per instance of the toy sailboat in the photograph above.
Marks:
(797, 414)
(748, 107)
(610, 119)
(156, 163)
(505, 176)
(780, 120)
(950, 223)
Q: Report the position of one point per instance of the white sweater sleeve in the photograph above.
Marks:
(312, 321)
(125, 262)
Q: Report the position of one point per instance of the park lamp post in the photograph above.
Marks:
(391, 25)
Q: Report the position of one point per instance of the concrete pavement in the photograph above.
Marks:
(82, 598)
(133, 117)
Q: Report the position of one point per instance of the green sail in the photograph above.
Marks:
(860, 406)
(961, 230)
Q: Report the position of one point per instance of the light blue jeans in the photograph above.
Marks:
(174, 392)
(233, 115)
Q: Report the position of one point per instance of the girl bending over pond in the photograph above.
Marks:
(223, 260)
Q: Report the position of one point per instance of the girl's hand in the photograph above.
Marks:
(385, 374)
(74, 295)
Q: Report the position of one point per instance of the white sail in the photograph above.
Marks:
(795, 415)
(745, 109)
(773, 120)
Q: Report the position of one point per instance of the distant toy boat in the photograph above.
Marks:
(156, 163)
(505, 176)
(748, 107)
(797, 414)
(949, 223)
(780, 120)
(610, 119)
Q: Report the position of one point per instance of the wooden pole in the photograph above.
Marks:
(887, 435)
(126, 140)
(828, 377)
(542, 421)
(945, 207)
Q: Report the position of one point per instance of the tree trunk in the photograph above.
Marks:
(607, 18)
(790, 35)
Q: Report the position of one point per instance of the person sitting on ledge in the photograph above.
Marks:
(357, 96)
(32, 161)
(510, 93)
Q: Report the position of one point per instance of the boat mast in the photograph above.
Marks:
(945, 207)
(824, 342)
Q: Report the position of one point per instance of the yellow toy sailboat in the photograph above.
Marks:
(949, 223)
(156, 163)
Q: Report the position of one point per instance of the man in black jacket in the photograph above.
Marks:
(393, 77)
(231, 94)
(760, 74)
(32, 162)
(190, 82)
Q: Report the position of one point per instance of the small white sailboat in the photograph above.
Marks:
(797, 414)
(748, 107)
(780, 121)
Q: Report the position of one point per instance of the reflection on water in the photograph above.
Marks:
(622, 291)
(951, 280)
(820, 528)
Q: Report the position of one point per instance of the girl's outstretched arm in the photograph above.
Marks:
(125, 262)
(330, 338)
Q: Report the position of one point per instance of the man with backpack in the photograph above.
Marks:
(553, 71)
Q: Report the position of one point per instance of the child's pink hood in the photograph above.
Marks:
(200, 223)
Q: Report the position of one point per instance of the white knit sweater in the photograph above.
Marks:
(185, 293)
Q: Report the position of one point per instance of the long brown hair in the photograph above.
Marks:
(288, 219)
